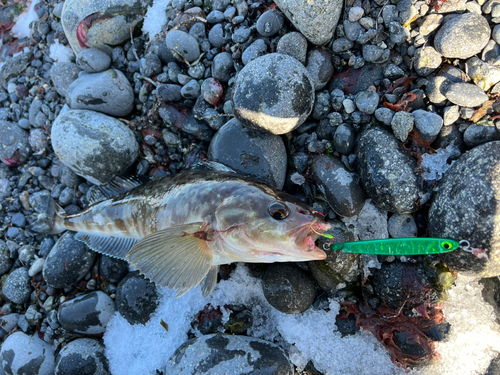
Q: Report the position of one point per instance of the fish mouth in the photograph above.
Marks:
(306, 236)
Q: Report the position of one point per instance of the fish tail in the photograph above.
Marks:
(50, 223)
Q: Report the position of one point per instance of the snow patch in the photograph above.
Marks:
(22, 27)
(155, 18)
(435, 165)
(61, 53)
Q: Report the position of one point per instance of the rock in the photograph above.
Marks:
(198, 129)
(321, 105)
(476, 135)
(353, 30)
(483, 74)
(293, 44)
(68, 262)
(29, 355)
(465, 207)
(260, 155)
(367, 101)
(342, 45)
(112, 269)
(428, 125)
(68, 177)
(88, 314)
(375, 54)
(14, 67)
(13, 138)
(269, 23)
(436, 87)
(320, 67)
(402, 124)
(17, 287)
(427, 60)
(387, 171)
(254, 50)
(218, 354)
(217, 36)
(402, 225)
(5, 260)
(343, 139)
(182, 45)
(463, 36)
(191, 90)
(93, 60)
(465, 94)
(316, 20)
(82, 357)
(93, 145)
(150, 65)
(409, 346)
(273, 93)
(101, 25)
(169, 92)
(384, 115)
(340, 186)
(108, 92)
(222, 66)
(136, 298)
(63, 74)
(439, 332)
(287, 288)
(38, 140)
(450, 115)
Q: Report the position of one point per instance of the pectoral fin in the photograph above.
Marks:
(210, 281)
(177, 257)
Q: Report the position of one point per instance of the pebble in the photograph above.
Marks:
(5, 261)
(93, 60)
(450, 115)
(13, 138)
(320, 67)
(197, 128)
(250, 152)
(17, 286)
(355, 14)
(136, 298)
(88, 314)
(402, 226)
(375, 54)
(402, 124)
(349, 105)
(293, 44)
(217, 36)
(283, 84)
(254, 50)
(343, 139)
(427, 60)
(110, 146)
(476, 135)
(428, 125)
(112, 269)
(150, 65)
(269, 23)
(483, 74)
(68, 177)
(222, 66)
(67, 263)
(342, 45)
(83, 357)
(212, 91)
(169, 92)
(182, 45)
(63, 74)
(191, 90)
(367, 101)
(465, 94)
(384, 115)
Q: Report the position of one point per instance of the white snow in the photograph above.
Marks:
(22, 27)
(435, 165)
(155, 18)
(60, 53)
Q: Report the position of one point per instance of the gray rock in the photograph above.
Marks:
(392, 71)
(402, 225)
(495, 34)
(465, 94)
(217, 36)
(18, 219)
(112, 269)
(197, 128)
(342, 45)
(182, 45)
(63, 74)
(13, 68)
(321, 105)
(136, 298)
(150, 65)
(269, 23)
(250, 152)
(463, 36)
(93, 60)
(5, 261)
(218, 354)
(476, 135)
(13, 138)
(108, 92)
(88, 314)
(466, 207)
(38, 140)
(67, 263)
(93, 145)
(428, 125)
(450, 115)
(273, 93)
(82, 356)
(254, 50)
(384, 115)
(343, 139)
(320, 67)
(27, 354)
(293, 44)
(222, 66)
(483, 74)
(353, 30)
(241, 34)
(436, 87)
(169, 92)
(316, 20)
(387, 171)
(426, 61)
(375, 54)
(219, 5)
(287, 288)
(402, 124)
(17, 287)
(68, 177)
(398, 33)
(341, 187)
(215, 16)
(191, 90)
(491, 52)
(367, 101)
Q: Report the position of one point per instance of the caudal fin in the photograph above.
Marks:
(50, 223)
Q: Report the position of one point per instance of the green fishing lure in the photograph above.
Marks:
(396, 246)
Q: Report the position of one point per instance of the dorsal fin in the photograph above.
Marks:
(211, 166)
(117, 186)
(116, 247)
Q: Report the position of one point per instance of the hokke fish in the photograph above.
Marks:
(177, 230)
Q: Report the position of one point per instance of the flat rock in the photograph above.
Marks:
(93, 60)
(465, 94)
(13, 68)
(13, 138)
(17, 286)
(63, 74)
(182, 45)
(82, 357)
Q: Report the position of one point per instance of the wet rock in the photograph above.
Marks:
(466, 207)
(428, 124)
(182, 45)
(340, 186)
(320, 67)
(17, 287)
(439, 332)
(483, 74)
(112, 269)
(402, 225)
(63, 74)
(408, 345)
(402, 124)
(93, 145)
(93, 60)
(108, 92)
(465, 94)
(293, 44)
(254, 50)
(218, 354)
(29, 355)
(476, 135)
(13, 138)
(82, 357)
(343, 139)
(288, 289)
(273, 93)
(68, 262)
(250, 152)
(367, 101)
(198, 129)
(316, 20)
(463, 36)
(384, 115)
(136, 298)
(387, 171)
(269, 23)
(222, 66)
(88, 314)
(427, 60)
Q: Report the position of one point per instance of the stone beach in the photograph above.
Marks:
(383, 116)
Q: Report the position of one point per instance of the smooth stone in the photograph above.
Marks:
(13, 138)
(17, 286)
(136, 298)
(197, 128)
(466, 207)
(88, 314)
(435, 89)
(95, 146)
(82, 357)
(387, 171)
(439, 332)
(14, 67)
(68, 177)
(218, 354)
(113, 270)
(108, 92)
(428, 125)
(353, 30)
(402, 226)
(341, 187)
(483, 74)
(63, 74)
(27, 354)
(191, 90)
(427, 60)
(250, 152)
(367, 101)
(293, 44)
(384, 115)
(463, 36)
(217, 36)
(273, 93)
(182, 45)
(269, 23)
(288, 289)
(150, 65)
(465, 94)
(450, 115)
(67, 263)
(38, 140)
(476, 135)
(254, 50)
(402, 124)
(320, 67)
(93, 60)
(222, 66)
(343, 139)
(169, 92)
(342, 45)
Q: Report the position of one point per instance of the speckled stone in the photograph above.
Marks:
(466, 206)
(293, 44)
(402, 225)
(12, 138)
(82, 357)
(219, 354)
(465, 94)
(17, 287)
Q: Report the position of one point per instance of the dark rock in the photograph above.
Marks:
(439, 332)
(191, 90)
(182, 45)
(254, 50)
(347, 327)
(198, 129)
(17, 287)
(476, 135)
(222, 66)
(409, 346)
(343, 139)
(217, 36)
(93, 60)
(82, 357)
(321, 105)
(112, 269)
(269, 23)
(150, 65)
(494, 367)
(68, 177)
(14, 67)
(63, 75)
(428, 125)
(5, 260)
(293, 44)
(13, 138)
(465, 94)
(320, 67)
(169, 92)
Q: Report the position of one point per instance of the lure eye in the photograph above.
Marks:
(278, 211)
(446, 245)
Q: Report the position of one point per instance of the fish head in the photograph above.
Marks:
(265, 225)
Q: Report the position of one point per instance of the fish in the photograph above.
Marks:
(179, 229)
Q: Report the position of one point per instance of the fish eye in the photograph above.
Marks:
(446, 245)
(278, 211)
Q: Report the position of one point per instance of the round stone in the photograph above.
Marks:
(402, 225)
(320, 67)
(93, 60)
(293, 44)
(13, 138)
(63, 74)
(17, 287)
(273, 93)
(82, 357)
(402, 124)
(367, 101)
(343, 139)
(254, 50)
(182, 45)
(428, 125)
(426, 61)
(222, 66)
(465, 94)
(269, 23)
(112, 269)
